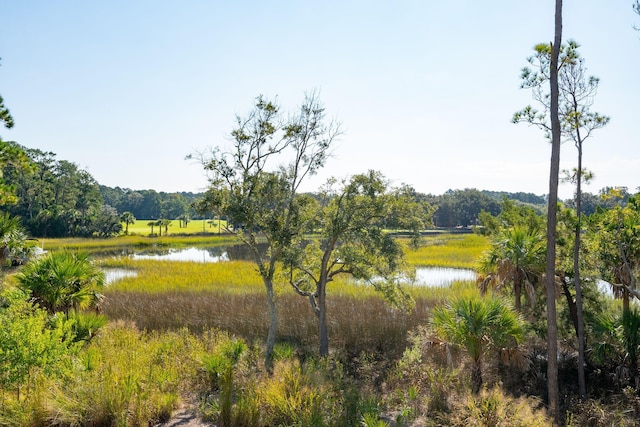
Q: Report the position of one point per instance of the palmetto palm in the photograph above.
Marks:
(517, 257)
(12, 238)
(478, 325)
(62, 281)
(128, 218)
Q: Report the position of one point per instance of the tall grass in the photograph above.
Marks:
(448, 250)
(157, 276)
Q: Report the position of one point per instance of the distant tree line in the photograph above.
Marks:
(56, 198)
(150, 204)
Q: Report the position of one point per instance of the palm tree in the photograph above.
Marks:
(13, 239)
(127, 218)
(62, 281)
(478, 325)
(517, 257)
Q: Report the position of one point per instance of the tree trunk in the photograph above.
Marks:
(323, 333)
(573, 312)
(552, 323)
(273, 326)
(582, 386)
(517, 290)
(476, 377)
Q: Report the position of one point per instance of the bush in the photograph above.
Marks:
(495, 409)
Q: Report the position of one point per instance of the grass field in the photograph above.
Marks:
(196, 226)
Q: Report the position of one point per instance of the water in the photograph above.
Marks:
(112, 275)
(426, 276)
(215, 254)
(440, 276)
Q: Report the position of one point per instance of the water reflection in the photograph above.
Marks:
(112, 275)
(440, 276)
(213, 254)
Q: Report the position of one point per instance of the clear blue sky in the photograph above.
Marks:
(425, 90)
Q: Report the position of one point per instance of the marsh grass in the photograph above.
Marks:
(167, 295)
(448, 250)
(135, 241)
(158, 276)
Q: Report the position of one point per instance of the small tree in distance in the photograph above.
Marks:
(129, 219)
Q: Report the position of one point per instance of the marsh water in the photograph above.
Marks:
(425, 276)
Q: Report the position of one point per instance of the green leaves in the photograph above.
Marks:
(477, 325)
(62, 281)
(30, 343)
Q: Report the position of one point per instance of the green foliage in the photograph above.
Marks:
(61, 281)
(616, 343)
(127, 378)
(31, 344)
(615, 237)
(296, 395)
(516, 258)
(14, 246)
(5, 115)
(494, 408)
(57, 198)
(478, 325)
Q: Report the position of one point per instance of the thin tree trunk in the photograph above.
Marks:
(323, 333)
(273, 326)
(517, 290)
(476, 377)
(582, 386)
(552, 324)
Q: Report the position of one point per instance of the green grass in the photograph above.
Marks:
(196, 226)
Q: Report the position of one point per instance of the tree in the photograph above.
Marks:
(62, 281)
(152, 224)
(577, 122)
(256, 182)
(517, 257)
(478, 325)
(5, 115)
(128, 219)
(12, 156)
(352, 241)
(13, 240)
(105, 222)
(616, 235)
(548, 69)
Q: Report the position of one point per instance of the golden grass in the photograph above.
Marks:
(78, 243)
(448, 250)
(154, 276)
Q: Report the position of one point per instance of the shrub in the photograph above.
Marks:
(496, 409)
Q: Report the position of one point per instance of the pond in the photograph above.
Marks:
(427, 276)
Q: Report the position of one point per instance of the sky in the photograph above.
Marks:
(424, 90)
